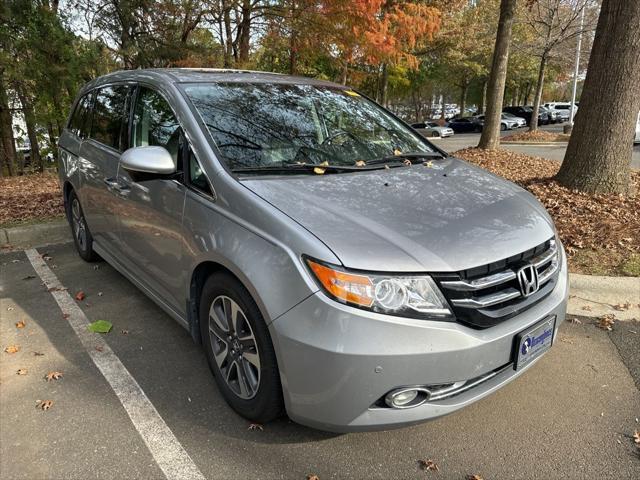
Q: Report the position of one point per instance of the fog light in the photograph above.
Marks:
(403, 398)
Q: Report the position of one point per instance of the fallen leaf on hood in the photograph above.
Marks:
(53, 376)
(428, 164)
(360, 163)
(20, 324)
(44, 404)
(428, 465)
(606, 322)
(100, 326)
(12, 349)
(80, 296)
(407, 162)
(21, 371)
(320, 171)
(255, 426)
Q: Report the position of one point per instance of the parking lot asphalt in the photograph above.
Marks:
(571, 416)
(552, 152)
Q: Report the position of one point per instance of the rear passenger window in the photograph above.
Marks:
(78, 123)
(154, 123)
(109, 115)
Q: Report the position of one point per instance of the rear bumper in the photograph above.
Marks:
(336, 361)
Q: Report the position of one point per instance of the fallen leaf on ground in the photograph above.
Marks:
(80, 296)
(12, 349)
(622, 306)
(255, 426)
(575, 320)
(428, 465)
(99, 294)
(96, 267)
(99, 348)
(125, 332)
(38, 354)
(20, 324)
(44, 404)
(21, 371)
(9, 309)
(53, 376)
(606, 322)
(311, 476)
(474, 477)
(29, 277)
(100, 326)
(586, 308)
(65, 315)
(636, 437)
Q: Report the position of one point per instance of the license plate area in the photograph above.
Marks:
(533, 342)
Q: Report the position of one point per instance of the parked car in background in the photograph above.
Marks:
(522, 112)
(521, 121)
(543, 116)
(333, 263)
(466, 124)
(552, 115)
(562, 109)
(637, 137)
(432, 129)
(505, 123)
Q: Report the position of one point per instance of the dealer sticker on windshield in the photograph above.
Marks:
(534, 342)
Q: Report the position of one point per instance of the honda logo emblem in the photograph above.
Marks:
(528, 279)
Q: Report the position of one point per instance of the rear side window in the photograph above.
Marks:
(78, 123)
(154, 123)
(110, 115)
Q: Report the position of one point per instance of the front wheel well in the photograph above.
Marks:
(198, 278)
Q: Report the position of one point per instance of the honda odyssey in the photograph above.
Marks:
(333, 263)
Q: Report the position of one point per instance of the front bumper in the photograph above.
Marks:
(336, 361)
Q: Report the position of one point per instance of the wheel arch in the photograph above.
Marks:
(199, 276)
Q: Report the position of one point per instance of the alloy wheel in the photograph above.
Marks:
(79, 226)
(234, 347)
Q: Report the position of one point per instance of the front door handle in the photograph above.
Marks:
(113, 184)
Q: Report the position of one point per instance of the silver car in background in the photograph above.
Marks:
(432, 129)
(333, 263)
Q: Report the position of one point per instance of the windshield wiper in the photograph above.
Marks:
(405, 156)
(303, 167)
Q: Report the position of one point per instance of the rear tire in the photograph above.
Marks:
(239, 350)
(503, 127)
(80, 230)
(434, 135)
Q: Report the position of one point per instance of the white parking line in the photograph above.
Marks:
(165, 448)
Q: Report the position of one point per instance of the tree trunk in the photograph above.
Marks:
(490, 138)
(464, 88)
(598, 156)
(30, 120)
(384, 86)
(483, 99)
(245, 32)
(228, 33)
(6, 130)
(527, 94)
(53, 141)
(533, 124)
(345, 72)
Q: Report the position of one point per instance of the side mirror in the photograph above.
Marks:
(150, 159)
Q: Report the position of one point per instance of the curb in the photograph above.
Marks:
(535, 144)
(589, 296)
(56, 231)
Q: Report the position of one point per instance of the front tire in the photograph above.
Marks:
(239, 349)
(80, 230)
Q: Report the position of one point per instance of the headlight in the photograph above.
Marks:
(404, 295)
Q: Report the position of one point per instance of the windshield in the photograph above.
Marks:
(271, 125)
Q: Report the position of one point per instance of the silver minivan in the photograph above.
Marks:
(333, 263)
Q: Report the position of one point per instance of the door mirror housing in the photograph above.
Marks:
(150, 159)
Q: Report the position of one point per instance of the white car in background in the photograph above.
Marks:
(432, 129)
(636, 139)
(562, 109)
(510, 116)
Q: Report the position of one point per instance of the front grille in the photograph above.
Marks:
(484, 296)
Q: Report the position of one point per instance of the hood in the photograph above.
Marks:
(447, 217)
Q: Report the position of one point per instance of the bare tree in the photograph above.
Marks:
(599, 153)
(490, 138)
(554, 22)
